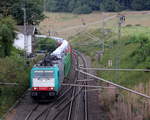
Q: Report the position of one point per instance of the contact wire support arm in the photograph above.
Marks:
(114, 84)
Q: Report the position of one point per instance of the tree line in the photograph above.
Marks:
(12, 14)
(87, 6)
(15, 8)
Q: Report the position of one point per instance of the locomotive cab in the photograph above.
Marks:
(44, 82)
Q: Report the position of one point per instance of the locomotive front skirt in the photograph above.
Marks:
(46, 76)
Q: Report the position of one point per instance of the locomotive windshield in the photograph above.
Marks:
(43, 74)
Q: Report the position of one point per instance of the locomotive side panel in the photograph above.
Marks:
(58, 64)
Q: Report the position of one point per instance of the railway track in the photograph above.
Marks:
(65, 106)
(53, 111)
(85, 98)
(76, 95)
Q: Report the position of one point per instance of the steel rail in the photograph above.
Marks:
(71, 103)
(73, 93)
(72, 98)
(107, 69)
(85, 80)
(54, 105)
(78, 99)
(51, 106)
(114, 84)
(31, 112)
(85, 83)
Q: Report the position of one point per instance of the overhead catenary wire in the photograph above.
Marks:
(8, 83)
(85, 80)
(114, 84)
(88, 86)
(111, 69)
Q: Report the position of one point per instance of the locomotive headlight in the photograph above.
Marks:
(43, 80)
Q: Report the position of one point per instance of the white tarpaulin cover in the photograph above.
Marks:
(61, 49)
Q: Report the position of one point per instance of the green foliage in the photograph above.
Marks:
(110, 5)
(75, 6)
(138, 4)
(46, 44)
(134, 53)
(85, 9)
(84, 6)
(12, 70)
(6, 6)
(34, 9)
(141, 54)
(7, 36)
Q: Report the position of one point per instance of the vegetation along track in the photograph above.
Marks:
(78, 102)
(77, 97)
(54, 111)
(84, 64)
(71, 101)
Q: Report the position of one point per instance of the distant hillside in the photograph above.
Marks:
(87, 6)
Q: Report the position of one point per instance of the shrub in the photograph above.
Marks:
(85, 9)
(13, 71)
(46, 44)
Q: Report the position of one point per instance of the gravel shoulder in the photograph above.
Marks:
(95, 109)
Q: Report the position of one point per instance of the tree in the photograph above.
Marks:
(71, 5)
(87, 6)
(138, 4)
(34, 10)
(95, 4)
(7, 35)
(46, 44)
(110, 5)
(52, 5)
(85, 9)
(6, 6)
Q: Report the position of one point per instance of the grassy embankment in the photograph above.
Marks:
(66, 25)
(12, 70)
(133, 50)
(15, 70)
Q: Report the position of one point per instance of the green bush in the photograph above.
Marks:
(85, 9)
(13, 70)
(46, 44)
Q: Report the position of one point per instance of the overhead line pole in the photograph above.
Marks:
(121, 19)
(103, 27)
(25, 30)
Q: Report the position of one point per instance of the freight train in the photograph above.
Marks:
(46, 76)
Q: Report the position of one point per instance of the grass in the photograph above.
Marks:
(64, 24)
(137, 24)
(12, 71)
(124, 48)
